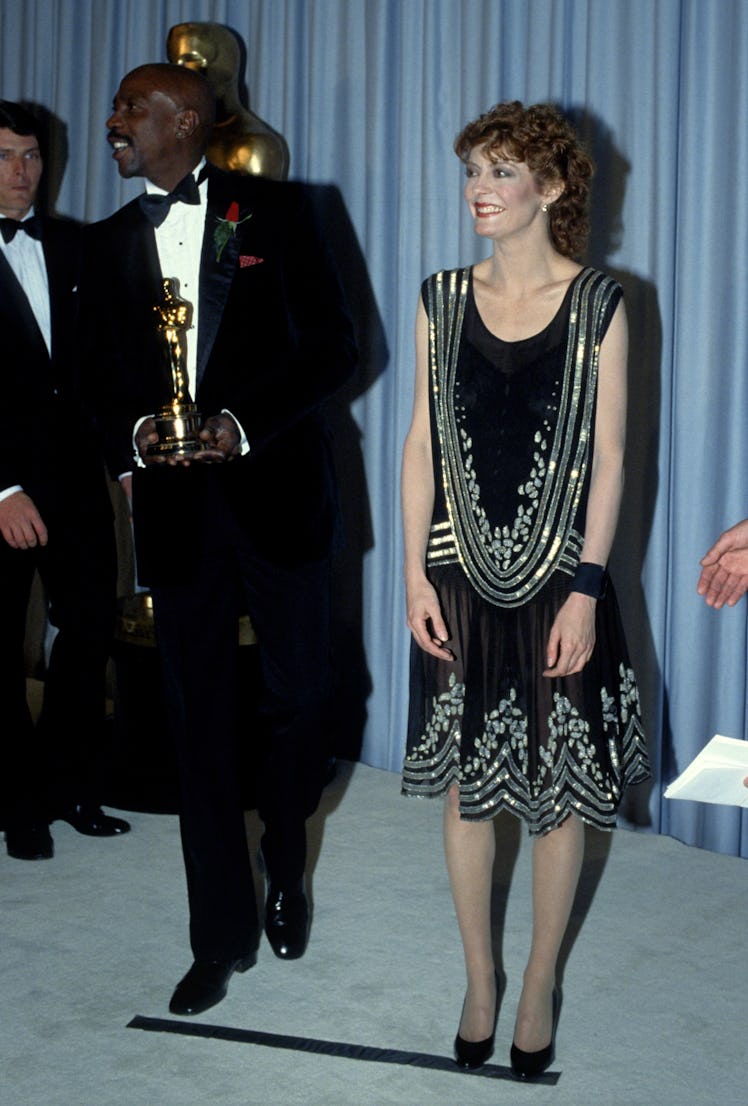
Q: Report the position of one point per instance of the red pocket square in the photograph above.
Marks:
(246, 259)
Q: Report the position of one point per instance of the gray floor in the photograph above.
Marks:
(655, 971)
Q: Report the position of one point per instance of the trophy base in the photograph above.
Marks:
(178, 427)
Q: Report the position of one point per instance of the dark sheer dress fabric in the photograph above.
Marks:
(490, 722)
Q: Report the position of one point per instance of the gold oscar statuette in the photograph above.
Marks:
(177, 423)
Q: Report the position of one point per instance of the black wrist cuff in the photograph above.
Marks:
(590, 580)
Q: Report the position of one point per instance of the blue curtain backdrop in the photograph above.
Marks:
(370, 94)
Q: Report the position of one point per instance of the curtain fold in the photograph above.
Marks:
(370, 95)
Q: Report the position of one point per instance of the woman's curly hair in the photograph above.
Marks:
(540, 137)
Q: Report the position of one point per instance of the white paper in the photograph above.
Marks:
(715, 775)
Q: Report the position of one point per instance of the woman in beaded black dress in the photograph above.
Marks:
(522, 695)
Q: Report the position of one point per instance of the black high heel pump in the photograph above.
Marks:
(528, 1065)
(473, 1054)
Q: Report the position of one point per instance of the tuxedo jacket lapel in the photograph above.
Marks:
(60, 297)
(140, 263)
(216, 275)
(62, 266)
(17, 309)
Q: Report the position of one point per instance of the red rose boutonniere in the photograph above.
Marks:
(226, 227)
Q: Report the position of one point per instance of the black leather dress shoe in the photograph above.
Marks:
(91, 820)
(287, 920)
(206, 984)
(30, 842)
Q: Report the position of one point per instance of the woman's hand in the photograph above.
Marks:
(572, 636)
(425, 620)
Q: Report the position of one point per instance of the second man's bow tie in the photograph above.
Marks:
(10, 227)
(155, 206)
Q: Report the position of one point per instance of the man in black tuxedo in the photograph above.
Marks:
(55, 516)
(249, 523)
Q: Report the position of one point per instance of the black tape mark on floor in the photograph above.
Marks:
(328, 1048)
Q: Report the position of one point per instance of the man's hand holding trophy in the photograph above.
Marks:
(174, 435)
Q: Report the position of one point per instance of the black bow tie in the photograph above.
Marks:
(10, 227)
(156, 207)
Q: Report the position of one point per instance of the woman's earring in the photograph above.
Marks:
(544, 207)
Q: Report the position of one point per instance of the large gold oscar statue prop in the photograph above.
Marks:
(240, 141)
(177, 423)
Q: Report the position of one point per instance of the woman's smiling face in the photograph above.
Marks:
(502, 195)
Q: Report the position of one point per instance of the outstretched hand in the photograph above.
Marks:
(724, 568)
(572, 637)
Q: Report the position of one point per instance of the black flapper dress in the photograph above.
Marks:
(512, 428)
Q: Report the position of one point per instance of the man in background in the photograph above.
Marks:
(55, 517)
